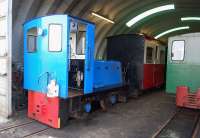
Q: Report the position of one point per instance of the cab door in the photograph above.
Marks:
(159, 66)
(54, 53)
(89, 59)
(32, 63)
(148, 78)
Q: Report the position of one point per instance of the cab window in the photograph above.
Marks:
(55, 37)
(149, 55)
(162, 57)
(32, 40)
(178, 50)
(77, 39)
(81, 39)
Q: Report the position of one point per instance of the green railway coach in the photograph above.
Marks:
(183, 62)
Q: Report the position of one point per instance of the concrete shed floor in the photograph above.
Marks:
(139, 118)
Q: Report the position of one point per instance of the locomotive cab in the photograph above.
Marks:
(59, 53)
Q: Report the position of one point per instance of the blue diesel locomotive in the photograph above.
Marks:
(60, 72)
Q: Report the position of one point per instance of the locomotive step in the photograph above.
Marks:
(192, 101)
(73, 93)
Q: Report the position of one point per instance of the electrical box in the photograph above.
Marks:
(3, 24)
(3, 67)
(3, 49)
(4, 7)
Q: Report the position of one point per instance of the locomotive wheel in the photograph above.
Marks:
(103, 105)
(122, 98)
(135, 93)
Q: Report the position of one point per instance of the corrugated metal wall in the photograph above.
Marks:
(5, 57)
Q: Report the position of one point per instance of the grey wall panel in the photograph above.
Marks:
(5, 57)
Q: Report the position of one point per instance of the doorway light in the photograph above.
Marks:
(190, 19)
(104, 18)
(148, 13)
(171, 30)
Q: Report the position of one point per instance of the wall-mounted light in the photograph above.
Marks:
(148, 13)
(104, 18)
(172, 30)
(190, 19)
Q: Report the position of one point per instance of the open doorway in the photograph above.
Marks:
(77, 58)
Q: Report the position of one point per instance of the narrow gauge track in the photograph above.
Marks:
(35, 133)
(196, 133)
(16, 125)
(185, 123)
(24, 124)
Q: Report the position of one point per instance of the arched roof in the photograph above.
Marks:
(118, 10)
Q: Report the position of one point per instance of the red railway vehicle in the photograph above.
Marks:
(142, 58)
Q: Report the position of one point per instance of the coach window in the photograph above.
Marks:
(81, 39)
(162, 57)
(149, 55)
(55, 37)
(32, 40)
(178, 50)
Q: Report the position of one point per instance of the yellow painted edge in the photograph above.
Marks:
(59, 122)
